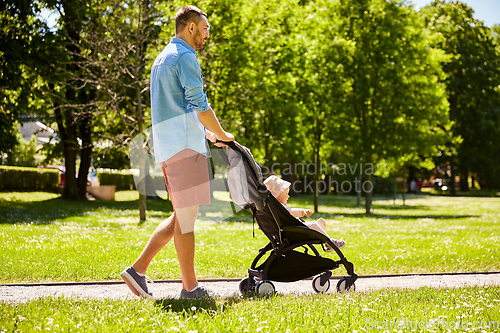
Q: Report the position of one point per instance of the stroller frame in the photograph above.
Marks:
(286, 233)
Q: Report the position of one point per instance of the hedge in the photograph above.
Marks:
(124, 180)
(28, 179)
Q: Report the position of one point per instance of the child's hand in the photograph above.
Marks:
(307, 212)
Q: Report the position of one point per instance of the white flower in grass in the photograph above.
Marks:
(193, 308)
(175, 329)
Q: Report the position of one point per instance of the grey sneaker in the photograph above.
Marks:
(136, 283)
(198, 292)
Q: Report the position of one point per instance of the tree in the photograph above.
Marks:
(22, 34)
(393, 107)
(118, 69)
(249, 71)
(472, 87)
(321, 86)
(73, 102)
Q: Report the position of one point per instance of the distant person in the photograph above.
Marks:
(413, 186)
(182, 121)
(280, 188)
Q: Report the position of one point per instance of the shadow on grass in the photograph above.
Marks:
(194, 306)
(188, 306)
(45, 212)
(392, 217)
(470, 194)
(212, 306)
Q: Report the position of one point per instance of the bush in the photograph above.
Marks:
(28, 179)
(24, 153)
(123, 180)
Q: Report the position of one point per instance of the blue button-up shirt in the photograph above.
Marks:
(177, 98)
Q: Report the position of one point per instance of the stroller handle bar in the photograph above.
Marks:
(231, 144)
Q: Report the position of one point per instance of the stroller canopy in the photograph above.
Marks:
(245, 179)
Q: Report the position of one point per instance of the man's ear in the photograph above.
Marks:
(191, 27)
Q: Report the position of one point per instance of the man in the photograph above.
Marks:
(182, 121)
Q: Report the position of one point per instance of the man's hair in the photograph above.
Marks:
(186, 15)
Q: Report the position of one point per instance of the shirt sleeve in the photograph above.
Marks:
(189, 73)
(295, 212)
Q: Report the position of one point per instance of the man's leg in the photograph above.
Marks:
(185, 244)
(160, 237)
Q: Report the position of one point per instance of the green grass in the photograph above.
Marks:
(434, 310)
(47, 239)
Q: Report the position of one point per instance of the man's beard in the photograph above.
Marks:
(198, 40)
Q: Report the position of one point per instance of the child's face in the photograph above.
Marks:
(283, 197)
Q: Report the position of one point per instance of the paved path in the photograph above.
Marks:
(162, 290)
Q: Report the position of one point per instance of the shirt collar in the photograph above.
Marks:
(177, 40)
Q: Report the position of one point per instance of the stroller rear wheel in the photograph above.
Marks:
(265, 288)
(247, 285)
(316, 283)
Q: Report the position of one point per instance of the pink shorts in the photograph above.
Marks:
(186, 177)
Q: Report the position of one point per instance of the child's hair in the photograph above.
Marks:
(276, 185)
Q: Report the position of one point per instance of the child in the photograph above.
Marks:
(280, 188)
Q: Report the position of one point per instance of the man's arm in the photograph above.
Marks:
(211, 123)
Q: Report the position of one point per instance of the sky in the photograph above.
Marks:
(487, 11)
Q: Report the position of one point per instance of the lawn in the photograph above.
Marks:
(433, 310)
(46, 238)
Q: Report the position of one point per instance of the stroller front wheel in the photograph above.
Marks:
(265, 288)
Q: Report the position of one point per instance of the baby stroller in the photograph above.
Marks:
(292, 254)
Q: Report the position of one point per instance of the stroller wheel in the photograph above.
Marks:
(246, 285)
(345, 285)
(316, 283)
(265, 288)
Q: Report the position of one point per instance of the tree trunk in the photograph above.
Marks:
(359, 183)
(85, 154)
(453, 191)
(140, 121)
(395, 190)
(70, 153)
(404, 188)
(67, 125)
(464, 178)
(357, 187)
(73, 16)
(368, 196)
(316, 181)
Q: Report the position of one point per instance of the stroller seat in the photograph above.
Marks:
(291, 252)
